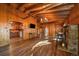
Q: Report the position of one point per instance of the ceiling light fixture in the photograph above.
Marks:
(46, 20)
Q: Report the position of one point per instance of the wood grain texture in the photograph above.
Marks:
(19, 47)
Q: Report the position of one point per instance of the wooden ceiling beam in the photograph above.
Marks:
(55, 10)
(42, 8)
(63, 5)
(39, 8)
(54, 5)
(19, 5)
(22, 8)
(30, 7)
(36, 9)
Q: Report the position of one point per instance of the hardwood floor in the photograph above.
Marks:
(24, 48)
(19, 47)
(4, 50)
(32, 47)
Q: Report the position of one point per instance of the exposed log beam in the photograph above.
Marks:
(60, 14)
(22, 8)
(44, 7)
(31, 7)
(63, 13)
(53, 5)
(39, 8)
(54, 22)
(18, 14)
(63, 5)
(50, 11)
(20, 5)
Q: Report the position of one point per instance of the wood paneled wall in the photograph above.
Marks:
(53, 28)
(74, 15)
(4, 32)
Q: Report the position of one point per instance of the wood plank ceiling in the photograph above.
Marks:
(25, 10)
